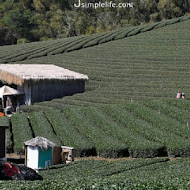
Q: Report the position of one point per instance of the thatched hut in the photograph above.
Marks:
(39, 153)
(42, 82)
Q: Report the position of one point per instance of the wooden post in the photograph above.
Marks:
(25, 149)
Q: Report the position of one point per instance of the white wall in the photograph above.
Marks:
(26, 88)
(32, 157)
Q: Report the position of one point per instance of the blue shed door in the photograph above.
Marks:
(45, 158)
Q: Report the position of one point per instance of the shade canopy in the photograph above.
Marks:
(8, 91)
(41, 142)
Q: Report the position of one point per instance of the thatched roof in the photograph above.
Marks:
(18, 73)
(6, 91)
(41, 142)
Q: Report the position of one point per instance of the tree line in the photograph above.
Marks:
(24, 21)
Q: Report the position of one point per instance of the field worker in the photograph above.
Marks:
(183, 95)
(179, 95)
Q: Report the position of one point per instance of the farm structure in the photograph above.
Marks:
(42, 82)
(3, 141)
(67, 154)
(42, 153)
(39, 153)
(9, 99)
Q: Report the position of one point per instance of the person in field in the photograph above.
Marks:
(179, 95)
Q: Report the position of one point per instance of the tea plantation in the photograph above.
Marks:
(157, 173)
(138, 129)
(129, 108)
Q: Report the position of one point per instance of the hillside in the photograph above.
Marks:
(129, 107)
(53, 47)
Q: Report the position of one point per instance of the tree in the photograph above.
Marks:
(19, 23)
(168, 9)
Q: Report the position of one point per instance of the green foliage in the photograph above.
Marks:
(173, 134)
(66, 46)
(136, 31)
(43, 20)
(21, 131)
(135, 174)
(96, 41)
(22, 41)
(53, 47)
(123, 34)
(4, 122)
(106, 145)
(68, 134)
(9, 141)
(41, 126)
(142, 67)
(19, 22)
(150, 27)
(124, 133)
(110, 37)
(169, 9)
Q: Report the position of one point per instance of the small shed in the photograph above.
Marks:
(67, 154)
(3, 141)
(42, 82)
(39, 153)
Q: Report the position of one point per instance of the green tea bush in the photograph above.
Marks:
(21, 131)
(161, 24)
(67, 46)
(122, 132)
(150, 27)
(83, 43)
(176, 142)
(136, 31)
(124, 33)
(53, 47)
(106, 146)
(4, 121)
(42, 127)
(173, 21)
(111, 37)
(69, 135)
(185, 18)
(97, 40)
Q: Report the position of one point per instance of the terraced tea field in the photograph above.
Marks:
(129, 107)
(149, 66)
(147, 129)
(59, 46)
